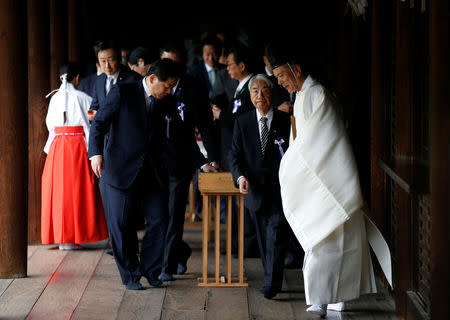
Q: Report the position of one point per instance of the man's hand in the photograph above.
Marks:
(216, 111)
(97, 165)
(209, 168)
(286, 106)
(91, 114)
(215, 165)
(243, 185)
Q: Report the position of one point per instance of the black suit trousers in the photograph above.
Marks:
(147, 194)
(176, 250)
(272, 233)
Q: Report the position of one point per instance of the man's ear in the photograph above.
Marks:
(298, 69)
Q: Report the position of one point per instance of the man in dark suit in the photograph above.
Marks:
(108, 55)
(194, 112)
(260, 139)
(136, 116)
(240, 65)
(87, 83)
(206, 71)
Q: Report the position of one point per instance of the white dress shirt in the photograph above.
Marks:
(114, 77)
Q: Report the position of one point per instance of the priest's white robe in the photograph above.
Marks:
(322, 201)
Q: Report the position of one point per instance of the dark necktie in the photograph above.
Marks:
(264, 134)
(151, 104)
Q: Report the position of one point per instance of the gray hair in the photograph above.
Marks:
(263, 77)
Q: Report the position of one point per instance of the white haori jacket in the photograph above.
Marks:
(75, 104)
(322, 201)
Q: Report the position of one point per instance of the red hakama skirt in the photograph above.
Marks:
(71, 210)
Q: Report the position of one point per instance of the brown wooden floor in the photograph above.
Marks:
(85, 284)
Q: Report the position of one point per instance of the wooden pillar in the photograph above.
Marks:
(38, 88)
(74, 27)
(58, 39)
(13, 139)
(404, 67)
(439, 101)
(378, 109)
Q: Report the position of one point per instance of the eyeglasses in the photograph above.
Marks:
(230, 64)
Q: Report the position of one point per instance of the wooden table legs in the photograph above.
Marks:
(218, 280)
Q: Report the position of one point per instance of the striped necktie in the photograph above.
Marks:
(264, 134)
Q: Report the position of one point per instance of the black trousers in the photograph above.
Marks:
(272, 233)
(176, 250)
(147, 194)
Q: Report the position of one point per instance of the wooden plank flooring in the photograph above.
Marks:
(85, 284)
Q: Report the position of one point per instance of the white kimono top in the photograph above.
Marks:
(75, 104)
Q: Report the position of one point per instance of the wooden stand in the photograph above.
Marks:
(221, 184)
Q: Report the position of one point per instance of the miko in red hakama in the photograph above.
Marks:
(72, 210)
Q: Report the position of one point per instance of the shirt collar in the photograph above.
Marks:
(114, 76)
(307, 83)
(243, 82)
(146, 89)
(70, 86)
(174, 89)
(208, 68)
(269, 115)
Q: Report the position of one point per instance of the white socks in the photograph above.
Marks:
(318, 309)
(69, 246)
(336, 306)
(321, 309)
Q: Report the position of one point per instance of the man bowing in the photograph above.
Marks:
(133, 169)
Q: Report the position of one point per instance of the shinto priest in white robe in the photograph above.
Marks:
(323, 203)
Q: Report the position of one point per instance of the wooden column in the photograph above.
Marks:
(378, 110)
(13, 140)
(404, 67)
(74, 30)
(58, 39)
(38, 88)
(439, 99)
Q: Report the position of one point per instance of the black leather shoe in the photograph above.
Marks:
(154, 282)
(134, 286)
(268, 292)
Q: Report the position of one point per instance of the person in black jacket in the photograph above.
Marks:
(260, 139)
(194, 112)
(140, 121)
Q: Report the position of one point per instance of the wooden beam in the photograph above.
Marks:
(13, 140)
(378, 110)
(439, 101)
(38, 88)
(58, 39)
(74, 30)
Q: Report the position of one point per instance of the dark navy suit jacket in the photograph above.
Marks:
(99, 91)
(197, 113)
(247, 160)
(199, 72)
(135, 136)
(87, 84)
(227, 119)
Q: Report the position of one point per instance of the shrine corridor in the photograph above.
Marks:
(85, 284)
